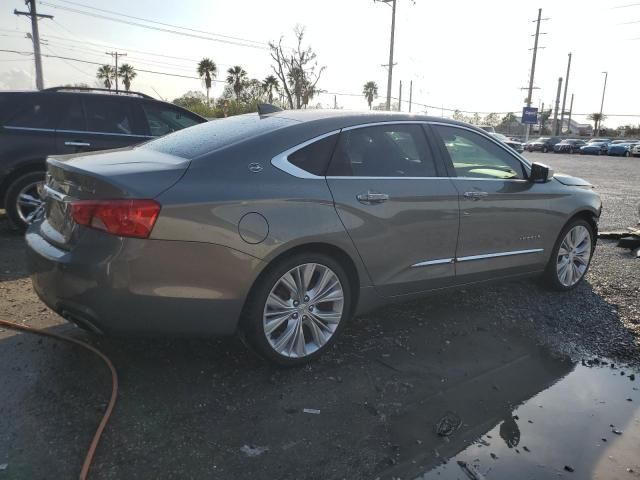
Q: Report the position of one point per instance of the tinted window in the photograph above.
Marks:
(72, 115)
(36, 111)
(383, 151)
(163, 119)
(209, 136)
(314, 158)
(108, 115)
(475, 156)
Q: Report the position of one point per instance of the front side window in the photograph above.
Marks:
(383, 151)
(162, 119)
(107, 115)
(474, 156)
(37, 111)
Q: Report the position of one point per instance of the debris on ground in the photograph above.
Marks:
(470, 471)
(616, 431)
(311, 410)
(448, 424)
(3, 466)
(568, 468)
(631, 241)
(252, 451)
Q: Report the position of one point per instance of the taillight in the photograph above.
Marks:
(125, 218)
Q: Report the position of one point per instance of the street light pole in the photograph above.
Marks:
(604, 89)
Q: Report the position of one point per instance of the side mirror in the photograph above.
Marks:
(540, 173)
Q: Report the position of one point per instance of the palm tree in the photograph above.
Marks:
(106, 74)
(270, 84)
(370, 92)
(236, 79)
(127, 73)
(597, 119)
(207, 70)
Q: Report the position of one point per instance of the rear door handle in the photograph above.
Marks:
(372, 197)
(475, 195)
(77, 144)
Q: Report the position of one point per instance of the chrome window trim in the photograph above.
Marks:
(378, 124)
(281, 161)
(499, 254)
(341, 177)
(82, 132)
(428, 263)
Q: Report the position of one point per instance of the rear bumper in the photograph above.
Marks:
(121, 286)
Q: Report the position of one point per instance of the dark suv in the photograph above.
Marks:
(543, 144)
(60, 120)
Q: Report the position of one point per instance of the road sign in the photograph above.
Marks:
(530, 115)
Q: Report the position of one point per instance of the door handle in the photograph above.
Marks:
(77, 144)
(372, 197)
(475, 195)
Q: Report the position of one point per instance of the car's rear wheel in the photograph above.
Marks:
(297, 309)
(627, 154)
(545, 149)
(571, 255)
(22, 199)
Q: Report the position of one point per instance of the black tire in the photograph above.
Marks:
(11, 197)
(550, 276)
(251, 325)
(545, 149)
(627, 154)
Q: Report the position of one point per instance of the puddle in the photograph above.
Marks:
(572, 423)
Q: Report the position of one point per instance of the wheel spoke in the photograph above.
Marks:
(28, 200)
(328, 317)
(290, 284)
(316, 332)
(275, 302)
(307, 274)
(285, 339)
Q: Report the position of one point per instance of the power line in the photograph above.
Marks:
(161, 23)
(150, 27)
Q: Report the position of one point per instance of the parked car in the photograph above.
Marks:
(543, 144)
(621, 149)
(517, 146)
(595, 148)
(599, 140)
(569, 145)
(635, 151)
(63, 120)
(625, 140)
(282, 226)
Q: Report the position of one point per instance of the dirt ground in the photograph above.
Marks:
(207, 408)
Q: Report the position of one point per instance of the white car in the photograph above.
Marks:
(635, 151)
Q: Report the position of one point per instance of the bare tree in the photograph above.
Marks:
(297, 70)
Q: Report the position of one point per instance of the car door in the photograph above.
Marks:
(397, 205)
(110, 123)
(504, 218)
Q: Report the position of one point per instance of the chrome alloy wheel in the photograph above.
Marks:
(573, 256)
(303, 310)
(29, 201)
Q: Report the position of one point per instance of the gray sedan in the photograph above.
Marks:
(282, 226)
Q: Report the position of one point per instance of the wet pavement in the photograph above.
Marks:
(505, 360)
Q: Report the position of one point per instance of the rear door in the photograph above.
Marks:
(109, 122)
(504, 218)
(399, 209)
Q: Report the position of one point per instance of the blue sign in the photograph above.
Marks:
(530, 115)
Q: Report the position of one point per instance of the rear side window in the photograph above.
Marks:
(107, 115)
(394, 150)
(216, 134)
(35, 111)
(314, 158)
(72, 115)
(163, 119)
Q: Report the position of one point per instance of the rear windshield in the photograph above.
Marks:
(195, 141)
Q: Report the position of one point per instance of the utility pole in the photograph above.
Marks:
(116, 55)
(570, 111)
(604, 89)
(564, 97)
(555, 115)
(533, 66)
(400, 98)
(410, 94)
(35, 35)
(541, 120)
(335, 102)
(393, 31)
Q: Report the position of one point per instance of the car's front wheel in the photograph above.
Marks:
(571, 255)
(545, 149)
(22, 199)
(627, 154)
(297, 309)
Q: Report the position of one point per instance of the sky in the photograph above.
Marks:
(460, 54)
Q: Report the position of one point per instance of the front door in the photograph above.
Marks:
(503, 216)
(397, 205)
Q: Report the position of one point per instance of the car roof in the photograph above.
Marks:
(343, 118)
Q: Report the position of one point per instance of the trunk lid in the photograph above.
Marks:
(115, 174)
